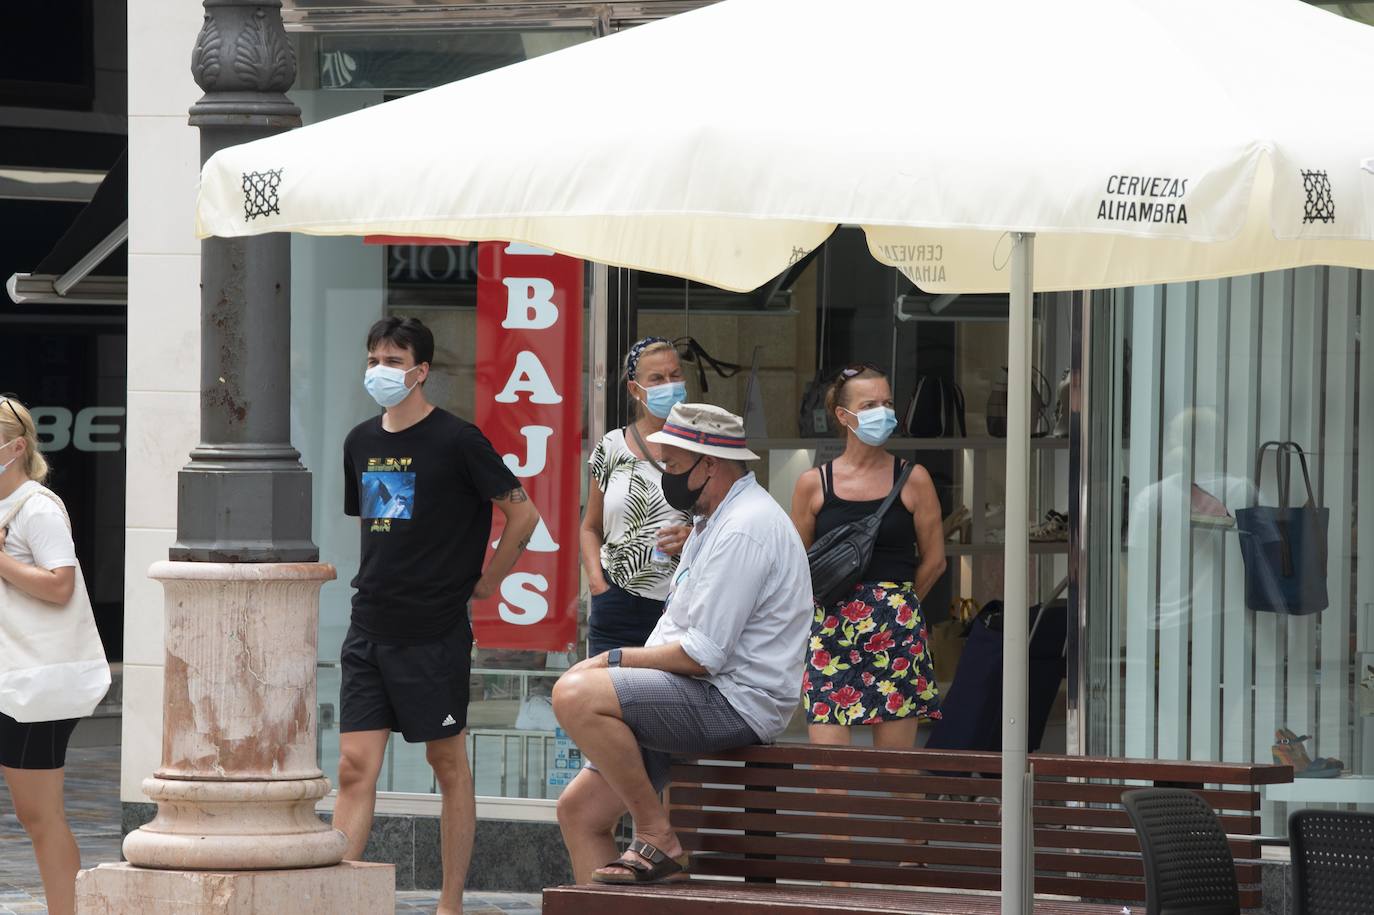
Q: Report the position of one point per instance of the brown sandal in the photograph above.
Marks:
(660, 869)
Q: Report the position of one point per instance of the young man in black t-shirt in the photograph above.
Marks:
(422, 482)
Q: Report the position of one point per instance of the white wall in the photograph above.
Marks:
(164, 346)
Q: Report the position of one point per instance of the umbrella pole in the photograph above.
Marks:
(1017, 867)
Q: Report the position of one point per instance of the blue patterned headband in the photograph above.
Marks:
(632, 360)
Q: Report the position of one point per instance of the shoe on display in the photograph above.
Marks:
(1054, 529)
(957, 523)
(1208, 511)
(1288, 750)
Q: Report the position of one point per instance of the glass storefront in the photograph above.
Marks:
(1216, 625)
(340, 287)
(1143, 460)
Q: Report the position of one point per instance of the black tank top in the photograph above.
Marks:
(894, 553)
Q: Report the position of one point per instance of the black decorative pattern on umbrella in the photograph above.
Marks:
(1320, 206)
(260, 193)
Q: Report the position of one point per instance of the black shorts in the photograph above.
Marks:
(42, 745)
(420, 690)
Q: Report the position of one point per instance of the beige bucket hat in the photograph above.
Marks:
(705, 429)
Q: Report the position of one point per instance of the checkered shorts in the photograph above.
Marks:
(675, 715)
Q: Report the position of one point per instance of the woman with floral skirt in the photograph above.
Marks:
(869, 661)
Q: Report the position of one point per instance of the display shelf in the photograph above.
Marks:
(1344, 789)
(987, 443)
(1037, 548)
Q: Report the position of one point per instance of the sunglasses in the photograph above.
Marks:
(853, 371)
(23, 429)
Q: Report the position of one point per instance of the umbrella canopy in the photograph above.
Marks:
(993, 146)
(1120, 131)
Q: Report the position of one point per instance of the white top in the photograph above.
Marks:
(741, 606)
(633, 510)
(38, 535)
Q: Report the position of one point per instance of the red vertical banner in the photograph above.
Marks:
(529, 404)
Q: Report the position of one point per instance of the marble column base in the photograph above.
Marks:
(235, 825)
(351, 888)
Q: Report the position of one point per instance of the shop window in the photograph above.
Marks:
(1200, 643)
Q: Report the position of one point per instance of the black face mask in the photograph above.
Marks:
(678, 493)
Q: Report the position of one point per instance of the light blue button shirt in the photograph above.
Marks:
(741, 606)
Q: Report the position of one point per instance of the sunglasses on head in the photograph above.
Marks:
(856, 369)
(23, 429)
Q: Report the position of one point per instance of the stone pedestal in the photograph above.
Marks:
(344, 889)
(239, 779)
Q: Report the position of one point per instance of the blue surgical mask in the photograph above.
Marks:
(876, 424)
(661, 398)
(6, 466)
(387, 385)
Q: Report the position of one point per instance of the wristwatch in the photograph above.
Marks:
(613, 658)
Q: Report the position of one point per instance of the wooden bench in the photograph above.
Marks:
(916, 831)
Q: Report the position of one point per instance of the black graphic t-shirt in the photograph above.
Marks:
(424, 496)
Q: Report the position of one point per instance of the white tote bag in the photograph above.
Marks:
(52, 665)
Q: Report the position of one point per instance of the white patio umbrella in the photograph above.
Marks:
(997, 145)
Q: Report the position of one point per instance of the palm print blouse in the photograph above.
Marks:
(633, 510)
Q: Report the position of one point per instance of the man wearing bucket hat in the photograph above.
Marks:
(720, 670)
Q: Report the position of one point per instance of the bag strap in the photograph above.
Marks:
(896, 491)
(1259, 466)
(827, 479)
(1295, 448)
(39, 491)
(644, 447)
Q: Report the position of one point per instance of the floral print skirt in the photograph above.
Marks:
(869, 661)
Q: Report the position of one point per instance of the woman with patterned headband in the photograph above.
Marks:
(630, 536)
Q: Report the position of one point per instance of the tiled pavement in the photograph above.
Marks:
(93, 810)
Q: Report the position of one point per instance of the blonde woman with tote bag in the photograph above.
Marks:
(52, 668)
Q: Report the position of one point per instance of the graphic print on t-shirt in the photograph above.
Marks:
(388, 492)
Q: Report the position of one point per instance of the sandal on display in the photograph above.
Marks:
(659, 869)
(1288, 750)
(957, 523)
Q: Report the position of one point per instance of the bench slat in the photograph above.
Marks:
(929, 854)
(1113, 818)
(1219, 800)
(1188, 772)
(700, 896)
(1086, 887)
(690, 818)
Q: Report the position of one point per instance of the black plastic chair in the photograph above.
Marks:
(1333, 862)
(1188, 865)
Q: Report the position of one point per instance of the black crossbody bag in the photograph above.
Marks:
(839, 558)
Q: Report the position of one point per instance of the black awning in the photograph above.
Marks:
(89, 264)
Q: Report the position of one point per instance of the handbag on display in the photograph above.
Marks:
(839, 558)
(1283, 547)
(936, 410)
(52, 665)
(689, 350)
(996, 414)
(813, 419)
